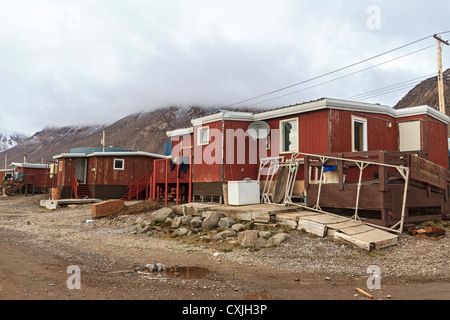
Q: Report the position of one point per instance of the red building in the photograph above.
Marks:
(31, 177)
(90, 172)
(223, 150)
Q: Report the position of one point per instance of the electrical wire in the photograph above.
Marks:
(390, 87)
(341, 77)
(331, 72)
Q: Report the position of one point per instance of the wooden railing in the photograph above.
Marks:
(143, 183)
(75, 185)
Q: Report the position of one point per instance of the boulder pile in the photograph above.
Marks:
(213, 225)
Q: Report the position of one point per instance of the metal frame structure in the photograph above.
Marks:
(295, 161)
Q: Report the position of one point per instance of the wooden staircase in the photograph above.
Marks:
(83, 192)
(142, 184)
(79, 190)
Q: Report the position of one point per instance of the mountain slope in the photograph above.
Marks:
(8, 141)
(426, 93)
(144, 131)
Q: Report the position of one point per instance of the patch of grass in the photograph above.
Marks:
(376, 253)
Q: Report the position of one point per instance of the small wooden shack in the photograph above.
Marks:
(92, 173)
(31, 177)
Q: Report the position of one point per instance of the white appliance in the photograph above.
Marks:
(243, 192)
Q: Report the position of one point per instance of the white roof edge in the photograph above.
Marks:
(414, 111)
(130, 153)
(70, 155)
(30, 165)
(290, 110)
(352, 106)
(104, 154)
(180, 132)
(224, 115)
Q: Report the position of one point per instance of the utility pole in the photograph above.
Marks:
(103, 141)
(440, 73)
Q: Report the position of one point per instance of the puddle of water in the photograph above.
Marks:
(260, 296)
(190, 273)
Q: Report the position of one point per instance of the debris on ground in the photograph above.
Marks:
(429, 233)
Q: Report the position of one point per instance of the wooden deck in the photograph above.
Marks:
(322, 224)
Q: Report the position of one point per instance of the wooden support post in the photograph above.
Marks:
(191, 167)
(384, 217)
(178, 183)
(306, 171)
(340, 165)
(154, 181)
(382, 174)
(167, 181)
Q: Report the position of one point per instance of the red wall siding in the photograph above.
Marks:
(434, 138)
(437, 142)
(313, 132)
(104, 174)
(240, 152)
(379, 135)
(39, 175)
(182, 145)
(203, 172)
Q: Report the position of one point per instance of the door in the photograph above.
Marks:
(80, 170)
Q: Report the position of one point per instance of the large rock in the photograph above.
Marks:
(265, 234)
(161, 214)
(260, 242)
(224, 234)
(226, 222)
(238, 227)
(196, 222)
(212, 220)
(181, 232)
(248, 238)
(277, 239)
(181, 221)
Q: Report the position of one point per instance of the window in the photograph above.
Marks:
(203, 136)
(410, 137)
(119, 164)
(359, 134)
(268, 142)
(289, 135)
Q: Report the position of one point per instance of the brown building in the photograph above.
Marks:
(90, 172)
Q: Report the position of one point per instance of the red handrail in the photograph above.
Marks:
(75, 185)
(140, 184)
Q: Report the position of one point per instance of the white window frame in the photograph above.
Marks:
(123, 164)
(199, 136)
(363, 121)
(282, 151)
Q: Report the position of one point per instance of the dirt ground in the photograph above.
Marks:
(38, 245)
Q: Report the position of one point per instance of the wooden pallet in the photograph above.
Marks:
(341, 228)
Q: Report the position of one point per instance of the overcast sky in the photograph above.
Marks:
(95, 61)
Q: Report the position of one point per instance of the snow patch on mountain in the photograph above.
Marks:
(7, 141)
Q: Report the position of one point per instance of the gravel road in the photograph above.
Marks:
(37, 245)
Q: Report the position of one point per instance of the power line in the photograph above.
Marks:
(332, 72)
(341, 77)
(390, 87)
